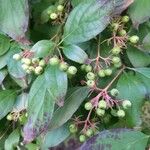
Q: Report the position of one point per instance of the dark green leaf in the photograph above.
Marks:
(7, 99)
(75, 53)
(124, 139)
(72, 103)
(14, 17)
(3, 74)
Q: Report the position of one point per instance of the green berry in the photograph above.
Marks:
(53, 16)
(88, 68)
(28, 71)
(42, 63)
(90, 83)
(118, 65)
(89, 133)
(31, 68)
(17, 56)
(115, 60)
(108, 72)
(54, 61)
(38, 70)
(126, 104)
(83, 67)
(134, 39)
(27, 61)
(9, 117)
(116, 50)
(115, 26)
(102, 104)
(100, 112)
(114, 92)
(72, 70)
(114, 112)
(60, 8)
(73, 128)
(90, 75)
(82, 138)
(25, 67)
(88, 106)
(35, 60)
(101, 73)
(120, 113)
(122, 32)
(22, 119)
(125, 19)
(63, 66)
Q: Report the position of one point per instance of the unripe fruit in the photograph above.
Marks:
(100, 112)
(115, 26)
(115, 60)
(17, 56)
(9, 117)
(134, 39)
(25, 67)
(22, 119)
(88, 68)
(89, 133)
(72, 70)
(113, 112)
(27, 61)
(114, 92)
(31, 68)
(90, 76)
(102, 104)
(42, 63)
(73, 128)
(122, 32)
(83, 67)
(88, 106)
(118, 65)
(35, 60)
(101, 73)
(54, 61)
(120, 113)
(125, 19)
(126, 104)
(108, 72)
(28, 71)
(60, 8)
(90, 83)
(82, 138)
(63, 66)
(53, 16)
(38, 70)
(116, 50)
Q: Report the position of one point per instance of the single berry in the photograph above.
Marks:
(89, 133)
(38, 70)
(73, 128)
(35, 60)
(9, 117)
(25, 67)
(102, 104)
(63, 66)
(122, 32)
(88, 68)
(108, 72)
(101, 73)
(100, 112)
(54, 61)
(90, 83)
(28, 71)
(60, 8)
(90, 75)
(83, 67)
(42, 63)
(72, 70)
(88, 106)
(134, 39)
(115, 60)
(27, 61)
(82, 138)
(126, 104)
(114, 92)
(31, 68)
(118, 65)
(113, 112)
(116, 50)
(53, 16)
(125, 19)
(120, 113)
(115, 26)
(17, 56)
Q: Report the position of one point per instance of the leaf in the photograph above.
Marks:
(55, 137)
(14, 16)
(7, 99)
(138, 58)
(43, 48)
(139, 6)
(124, 139)
(13, 140)
(89, 19)
(3, 74)
(146, 43)
(131, 88)
(72, 103)
(4, 44)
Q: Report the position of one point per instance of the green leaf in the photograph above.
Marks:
(13, 140)
(72, 103)
(7, 99)
(124, 139)
(43, 48)
(75, 53)
(77, 2)
(55, 137)
(131, 88)
(137, 57)
(146, 43)
(3, 74)
(139, 6)
(89, 19)
(14, 17)
(4, 44)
